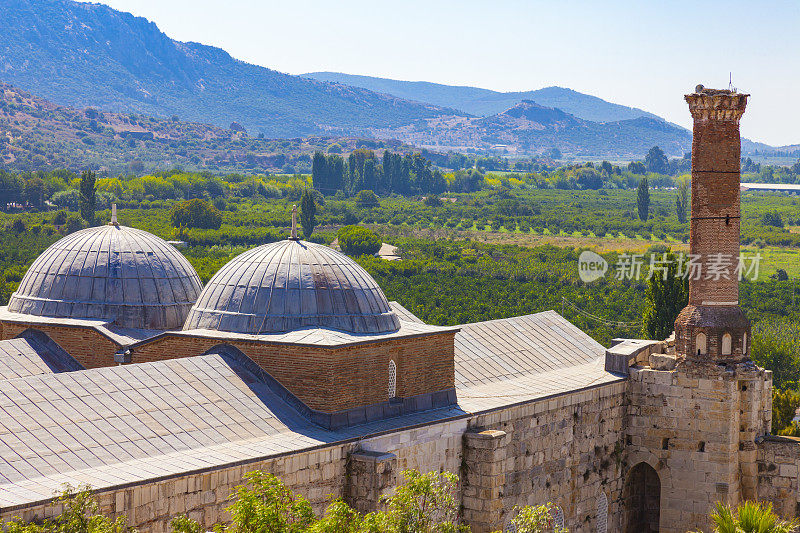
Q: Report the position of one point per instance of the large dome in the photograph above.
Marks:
(291, 284)
(114, 273)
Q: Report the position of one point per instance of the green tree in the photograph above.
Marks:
(424, 503)
(750, 517)
(88, 189)
(682, 201)
(195, 213)
(367, 198)
(319, 172)
(358, 240)
(643, 199)
(80, 515)
(775, 346)
(656, 161)
(536, 519)
(784, 407)
(667, 295)
(264, 504)
(308, 213)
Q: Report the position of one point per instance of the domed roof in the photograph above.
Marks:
(286, 285)
(113, 273)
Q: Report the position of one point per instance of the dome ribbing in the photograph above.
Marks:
(113, 273)
(286, 285)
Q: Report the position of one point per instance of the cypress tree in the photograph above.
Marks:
(308, 213)
(319, 175)
(682, 201)
(368, 178)
(388, 171)
(667, 295)
(88, 200)
(643, 199)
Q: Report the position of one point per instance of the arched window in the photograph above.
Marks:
(602, 513)
(744, 344)
(392, 380)
(700, 344)
(726, 344)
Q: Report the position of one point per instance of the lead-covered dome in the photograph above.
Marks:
(286, 285)
(114, 273)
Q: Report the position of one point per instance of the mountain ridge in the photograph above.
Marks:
(486, 102)
(90, 55)
(84, 55)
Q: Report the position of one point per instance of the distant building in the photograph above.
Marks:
(118, 371)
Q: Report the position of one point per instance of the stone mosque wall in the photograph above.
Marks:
(566, 449)
(779, 474)
(696, 427)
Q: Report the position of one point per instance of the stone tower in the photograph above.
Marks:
(713, 328)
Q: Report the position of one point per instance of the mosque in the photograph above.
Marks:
(119, 371)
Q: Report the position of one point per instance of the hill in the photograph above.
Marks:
(38, 135)
(84, 55)
(531, 128)
(484, 102)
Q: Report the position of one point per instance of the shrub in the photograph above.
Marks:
(18, 226)
(772, 219)
(358, 240)
(74, 223)
(367, 199)
(79, 515)
(69, 199)
(195, 213)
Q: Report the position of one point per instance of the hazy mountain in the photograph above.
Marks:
(531, 128)
(483, 102)
(91, 55)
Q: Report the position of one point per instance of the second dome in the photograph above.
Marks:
(287, 285)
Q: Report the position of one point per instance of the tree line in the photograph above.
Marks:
(405, 174)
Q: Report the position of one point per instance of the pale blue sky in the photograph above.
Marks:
(642, 53)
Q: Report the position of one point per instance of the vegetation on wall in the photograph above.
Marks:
(422, 503)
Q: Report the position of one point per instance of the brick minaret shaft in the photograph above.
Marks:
(712, 327)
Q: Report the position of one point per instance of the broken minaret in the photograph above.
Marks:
(713, 328)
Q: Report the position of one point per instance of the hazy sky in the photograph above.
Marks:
(643, 53)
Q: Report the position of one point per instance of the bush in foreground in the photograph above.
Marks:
(424, 503)
(358, 240)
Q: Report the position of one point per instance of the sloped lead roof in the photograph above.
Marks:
(122, 275)
(287, 285)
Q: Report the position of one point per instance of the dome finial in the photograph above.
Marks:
(114, 215)
(294, 224)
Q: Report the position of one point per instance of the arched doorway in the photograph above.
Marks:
(642, 499)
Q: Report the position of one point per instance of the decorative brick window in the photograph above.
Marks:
(726, 344)
(744, 344)
(392, 380)
(602, 513)
(700, 344)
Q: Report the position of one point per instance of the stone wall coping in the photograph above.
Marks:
(373, 457)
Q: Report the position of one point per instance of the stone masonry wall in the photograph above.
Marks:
(779, 474)
(563, 449)
(697, 426)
